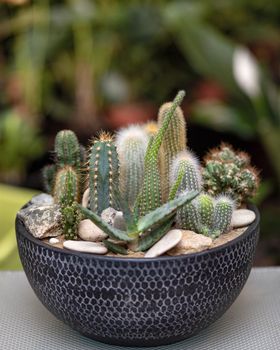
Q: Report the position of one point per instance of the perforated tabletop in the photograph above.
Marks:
(253, 321)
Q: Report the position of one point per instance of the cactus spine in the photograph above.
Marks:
(222, 215)
(174, 141)
(150, 195)
(67, 149)
(103, 173)
(131, 146)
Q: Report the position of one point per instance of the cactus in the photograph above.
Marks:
(66, 186)
(174, 141)
(222, 215)
(48, 174)
(150, 194)
(186, 163)
(70, 220)
(67, 149)
(207, 215)
(131, 145)
(227, 171)
(103, 173)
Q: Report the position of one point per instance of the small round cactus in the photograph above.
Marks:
(227, 171)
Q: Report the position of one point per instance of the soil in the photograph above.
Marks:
(224, 238)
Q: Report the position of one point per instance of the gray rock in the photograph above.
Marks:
(88, 231)
(114, 218)
(42, 198)
(167, 242)
(191, 242)
(42, 220)
(86, 247)
(242, 217)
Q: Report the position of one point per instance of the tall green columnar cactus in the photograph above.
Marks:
(66, 186)
(174, 141)
(150, 196)
(67, 149)
(186, 163)
(131, 145)
(103, 173)
(228, 171)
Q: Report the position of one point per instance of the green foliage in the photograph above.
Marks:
(131, 144)
(103, 172)
(150, 196)
(174, 141)
(207, 215)
(227, 171)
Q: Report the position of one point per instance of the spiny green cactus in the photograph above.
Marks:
(150, 195)
(131, 145)
(174, 141)
(186, 163)
(222, 215)
(207, 215)
(66, 188)
(227, 171)
(48, 174)
(70, 220)
(103, 171)
(67, 149)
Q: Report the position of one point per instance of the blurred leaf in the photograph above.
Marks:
(223, 118)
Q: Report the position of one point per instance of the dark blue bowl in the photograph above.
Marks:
(133, 301)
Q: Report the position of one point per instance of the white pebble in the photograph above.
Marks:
(88, 231)
(167, 242)
(242, 217)
(53, 240)
(86, 247)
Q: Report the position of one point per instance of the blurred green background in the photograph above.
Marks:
(88, 65)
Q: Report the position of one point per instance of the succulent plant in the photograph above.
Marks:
(103, 173)
(150, 196)
(48, 174)
(67, 149)
(174, 141)
(66, 188)
(207, 215)
(131, 145)
(228, 171)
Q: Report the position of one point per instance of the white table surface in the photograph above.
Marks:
(252, 322)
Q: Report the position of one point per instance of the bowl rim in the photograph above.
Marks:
(23, 231)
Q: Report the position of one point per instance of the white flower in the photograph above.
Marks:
(246, 72)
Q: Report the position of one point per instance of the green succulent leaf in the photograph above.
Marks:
(115, 248)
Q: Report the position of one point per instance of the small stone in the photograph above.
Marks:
(191, 242)
(86, 247)
(53, 240)
(242, 217)
(114, 218)
(88, 231)
(42, 199)
(85, 198)
(42, 220)
(167, 242)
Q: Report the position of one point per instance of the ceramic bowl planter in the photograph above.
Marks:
(137, 301)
